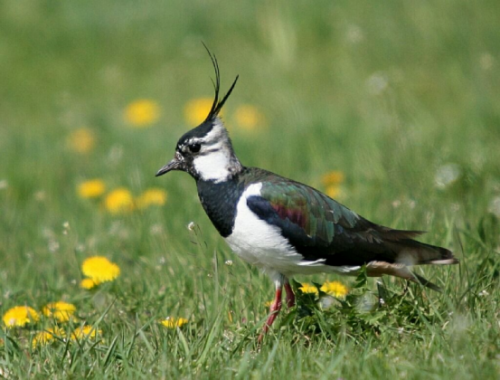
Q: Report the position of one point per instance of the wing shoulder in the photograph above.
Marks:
(305, 215)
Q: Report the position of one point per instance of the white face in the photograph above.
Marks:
(214, 160)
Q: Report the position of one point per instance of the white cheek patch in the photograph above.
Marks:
(212, 166)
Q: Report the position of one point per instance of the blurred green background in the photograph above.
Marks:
(403, 98)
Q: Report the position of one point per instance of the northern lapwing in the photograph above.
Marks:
(285, 227)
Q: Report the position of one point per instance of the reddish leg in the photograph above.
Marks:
(290, 297)
(274, 310)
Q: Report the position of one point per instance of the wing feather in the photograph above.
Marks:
(322, 228)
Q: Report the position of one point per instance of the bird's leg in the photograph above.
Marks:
(275, 307)
(274, 310)
(290, 297)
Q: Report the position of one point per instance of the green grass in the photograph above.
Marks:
(389, 93)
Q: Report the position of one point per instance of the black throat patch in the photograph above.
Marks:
(219, 201)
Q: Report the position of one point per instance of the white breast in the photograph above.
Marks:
(262, 244)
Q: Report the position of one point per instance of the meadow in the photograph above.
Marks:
(393, 108)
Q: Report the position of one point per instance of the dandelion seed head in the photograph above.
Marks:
(80, 247)
(53, 246)
(483, 293)
(354, 34)
(446, 175)
(377, 83)
(325, 302)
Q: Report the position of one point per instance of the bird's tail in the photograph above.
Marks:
(410, 252)
(416, 253)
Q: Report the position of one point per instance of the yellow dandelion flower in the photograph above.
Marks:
(100, 269)
(81, 140)
(172, 323)
(308, 289)
(142, 113)
(62, 311)
(19, 316)
(48, 336)
(119, 200)
(85, 332)
(249, 118)
(91, 189)
(268, 303)
(88, 283)
(196, 110)
(335, 289)
(333, 191)
(151, 197)
(334, 177)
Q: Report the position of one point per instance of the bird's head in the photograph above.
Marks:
(206, 151)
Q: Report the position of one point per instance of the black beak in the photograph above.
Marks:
(176, 164)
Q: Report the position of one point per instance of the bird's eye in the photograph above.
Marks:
(194, 148)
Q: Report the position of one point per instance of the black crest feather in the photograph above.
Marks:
(217, 104)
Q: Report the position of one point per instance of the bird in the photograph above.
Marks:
(285, 227)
